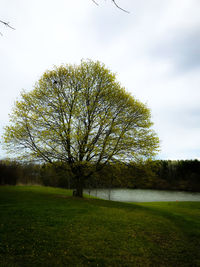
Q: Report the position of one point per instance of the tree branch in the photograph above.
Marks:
(119, 6)
(114, 2)
(95, 2)
(7, 24)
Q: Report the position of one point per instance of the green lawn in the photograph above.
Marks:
(43, 226)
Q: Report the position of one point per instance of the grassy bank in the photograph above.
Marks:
(42, 226)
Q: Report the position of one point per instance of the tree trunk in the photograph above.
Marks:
(78, 192)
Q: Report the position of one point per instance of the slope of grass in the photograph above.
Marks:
(42, 226)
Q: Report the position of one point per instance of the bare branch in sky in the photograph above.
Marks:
(95, 2)
(114, 2)
(119, 6)
(7, 25)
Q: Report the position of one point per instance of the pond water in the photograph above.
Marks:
(142, 195)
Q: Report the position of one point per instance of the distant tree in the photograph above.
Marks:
(80, 114)
(8, 173)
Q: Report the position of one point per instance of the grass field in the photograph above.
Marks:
(43, 226)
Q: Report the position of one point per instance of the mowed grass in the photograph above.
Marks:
(43, 226)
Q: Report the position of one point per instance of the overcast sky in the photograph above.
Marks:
(155, 51)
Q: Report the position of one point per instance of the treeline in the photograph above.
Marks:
(12, 173)
(160, 174)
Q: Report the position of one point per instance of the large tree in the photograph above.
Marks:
(79, 115)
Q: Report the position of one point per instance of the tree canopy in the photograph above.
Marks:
(80, 114)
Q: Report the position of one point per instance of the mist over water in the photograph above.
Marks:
(142, 195)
